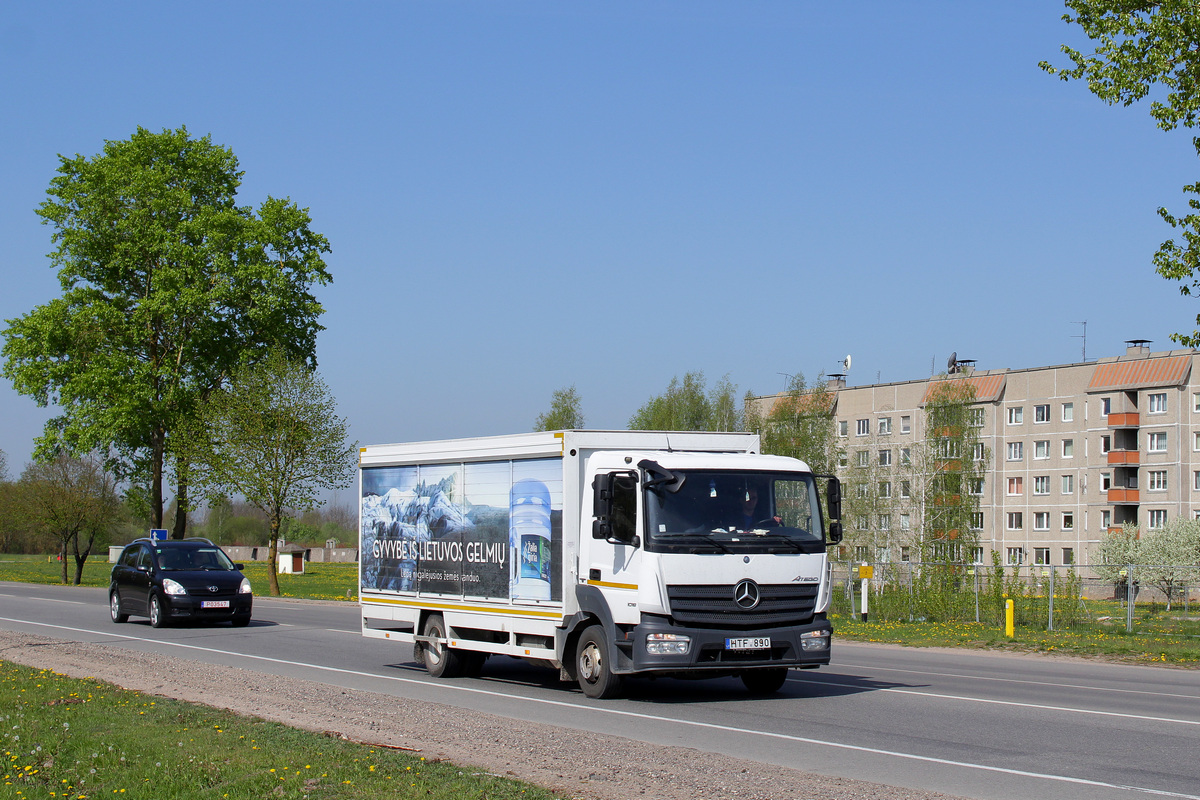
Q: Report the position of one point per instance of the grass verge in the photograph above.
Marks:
(81, 738)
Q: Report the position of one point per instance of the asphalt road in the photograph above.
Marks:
(972, 724)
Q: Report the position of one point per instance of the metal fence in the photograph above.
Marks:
(1139, 597)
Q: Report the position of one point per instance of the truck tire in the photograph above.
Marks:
(765, 681)
(596, 678)
(440, 660)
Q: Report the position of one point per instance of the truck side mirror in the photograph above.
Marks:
(835, 532)
(602, 494)
(833, 498)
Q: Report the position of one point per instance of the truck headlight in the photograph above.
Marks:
(814, 640)
(173, 587)
(668, 644)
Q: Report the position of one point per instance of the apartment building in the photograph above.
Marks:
(1072, 451)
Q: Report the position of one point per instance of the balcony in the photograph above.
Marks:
(1123, 457)
(1123, 496)
(1126, 420)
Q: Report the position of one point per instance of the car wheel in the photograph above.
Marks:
(596, 677)
(114, 607)
(440, 660)
(765, 681)
(157, 618)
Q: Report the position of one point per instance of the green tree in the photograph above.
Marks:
(691, 406)
(68, 499)
(274, 438)
(950, 463)
(1167, 558)
(566, 412)
(800, 425)
(1140, 47)
(167, 286)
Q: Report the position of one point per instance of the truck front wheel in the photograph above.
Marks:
(440, 660)
(596, 678)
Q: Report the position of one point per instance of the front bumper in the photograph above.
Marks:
(707, 649)
(188, 607)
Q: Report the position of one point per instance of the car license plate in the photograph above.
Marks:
(214, 604)
(749, 643)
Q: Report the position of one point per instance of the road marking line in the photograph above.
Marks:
(1016, 680)
(820, 682)
(52, 600)
(637, 715)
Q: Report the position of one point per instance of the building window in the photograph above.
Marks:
(1157, 442)
(1041, 521)
(1016, 556)
(885, 522)
(1041, 555)
(1196, 402)
(1105, 406)
(976, 555)
(1041, 484)
(860, 553)
(904, 553)
(1196, 480)
(842, 460)
(863, 428)
(1157, 480)
(978, 451)
(905, 424)
(1105, 519)
(1041, 413)
(1105, 481)
(1068, 412)
(883, 554)
(977, 417)
(1158, 403)
(864, 458)
(862, 491)
(905, 455)
(1015, 521)
(1068, 448)
(1068, 521)
(976, 486)
(1068, 556)
(1016, 415)
(1041, 449)
(860, 522)
(843, 427)
(1157, 517)
(885, 488)
(1105, 444)
(905, 522)
(1068, 484)
(1016, 451)
(885, 458)
(885, 426)
(1014, 487)
(905, 489)
(1196, 441)
(976, 520)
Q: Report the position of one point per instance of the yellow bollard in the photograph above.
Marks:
(1008, 619)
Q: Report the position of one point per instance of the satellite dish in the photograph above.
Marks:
(952, 364)
(846, 362)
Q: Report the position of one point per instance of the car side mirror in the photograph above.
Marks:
(239, 567)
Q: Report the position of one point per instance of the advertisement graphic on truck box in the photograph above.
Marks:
(489, 529)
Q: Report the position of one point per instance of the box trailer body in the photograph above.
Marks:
(600, 553)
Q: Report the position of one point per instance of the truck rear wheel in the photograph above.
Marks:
(765, 681)
(440, 660)
(596, 678)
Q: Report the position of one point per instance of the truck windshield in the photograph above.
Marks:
(735, 512)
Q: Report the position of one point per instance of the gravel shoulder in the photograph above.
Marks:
(572, 763)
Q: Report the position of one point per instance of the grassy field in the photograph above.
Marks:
(81, 738)
(320, 581)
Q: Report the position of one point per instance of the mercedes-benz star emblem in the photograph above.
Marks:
(745, 594)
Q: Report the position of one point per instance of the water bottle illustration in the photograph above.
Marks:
(529, 537)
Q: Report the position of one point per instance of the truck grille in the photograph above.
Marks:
(714, 606)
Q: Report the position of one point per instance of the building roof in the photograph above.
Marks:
(988, 388)
(1142, 372)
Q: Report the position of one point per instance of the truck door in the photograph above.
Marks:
(613, 555)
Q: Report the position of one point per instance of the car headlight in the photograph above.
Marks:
(173, 587)
(668, 644)
(814, 640)
(245, 587)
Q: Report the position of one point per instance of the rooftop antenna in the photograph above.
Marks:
(1082, 336)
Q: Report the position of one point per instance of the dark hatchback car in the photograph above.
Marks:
(178, 580)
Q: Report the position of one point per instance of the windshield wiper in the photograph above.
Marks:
(698, 538)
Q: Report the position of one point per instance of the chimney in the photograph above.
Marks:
(1137, 347)
(835, 381)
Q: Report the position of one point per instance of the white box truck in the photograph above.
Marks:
(599, 553)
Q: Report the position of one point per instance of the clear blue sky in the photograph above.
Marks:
(522, 196)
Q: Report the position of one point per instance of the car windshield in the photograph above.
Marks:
(742, 512)
(180, 558)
